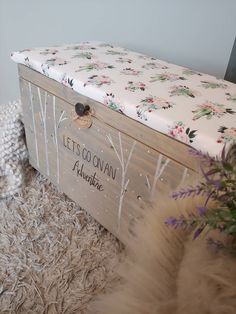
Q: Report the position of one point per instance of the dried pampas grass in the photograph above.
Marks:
(53, 256)
(168, 273)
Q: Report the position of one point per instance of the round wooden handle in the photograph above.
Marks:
(81, 109)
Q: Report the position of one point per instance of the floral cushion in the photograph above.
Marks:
(194, 108)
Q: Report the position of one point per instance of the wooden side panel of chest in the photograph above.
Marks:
(110, 174)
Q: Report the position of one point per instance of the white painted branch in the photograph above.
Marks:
(56, 141)
(185, 172)
(43, 110)
(113, 146)
(34, 127)
(158, 172)
(61, 119)
(121, 150)
(129, 157)
(124, 168)
(148, 182)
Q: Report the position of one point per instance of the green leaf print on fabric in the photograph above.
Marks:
(189, 72)
(81, 47)
(230, 97)
(133, 86)
(210, 109)
(23, 50)
(83, 55)
(123, 60)
(45, 69)
(183, 91)
(165, 77)
(56, 61)
(150, 104)
(116, 53)
(129, 71)
(228, 135)
(143, 57)
(67, 81)
(94, 66)
(28, 63)
(154, 65)
(104, 45)
(49, 51)
(109, 101)
(98, 80)
(179, 131)
(213, 85)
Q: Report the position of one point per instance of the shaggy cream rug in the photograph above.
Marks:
(54, 258)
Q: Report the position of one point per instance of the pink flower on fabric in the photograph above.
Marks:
(129, 71)
(98, 80)
(228, 135)
(179, 131)
(210, 109)
(56, 61)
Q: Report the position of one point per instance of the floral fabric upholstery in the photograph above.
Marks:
(192, 107)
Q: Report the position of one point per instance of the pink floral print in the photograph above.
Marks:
(129, 71)
(56, 61)
(179, 131)
(230, 97)
(104, 45)
(183, 91)
(49, 51)
(133, 86)
(116, 52)
(150, 104)
(98, 80)
(210, 109)
(81, 47)
(95, 66)
(189, 72)
(207, 84)
(123, 60)
(228, 135)
(67, 81)
(166, 76)
(28, 63)
(84, 55)
(154, 65)
(109, 101)
(143, 57)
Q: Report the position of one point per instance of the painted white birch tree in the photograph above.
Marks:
(160, 167)
(124, 167)
(184, 176)
(31, 97)
(43, 116)
(56, 123)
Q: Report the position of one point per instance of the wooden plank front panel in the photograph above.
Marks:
(108, 173)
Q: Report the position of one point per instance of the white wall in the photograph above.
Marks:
(194, 33)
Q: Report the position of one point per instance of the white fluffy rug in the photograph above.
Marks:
(168, 273)
(54, 258)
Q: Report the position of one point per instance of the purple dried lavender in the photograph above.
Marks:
(205, 157)
(219, 184)
(198, 231)
(190, 191)
(202, 210)
(180, 222)
(171, 221)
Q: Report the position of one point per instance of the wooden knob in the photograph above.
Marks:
(81, 109)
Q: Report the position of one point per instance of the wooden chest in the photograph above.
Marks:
(111, 163)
